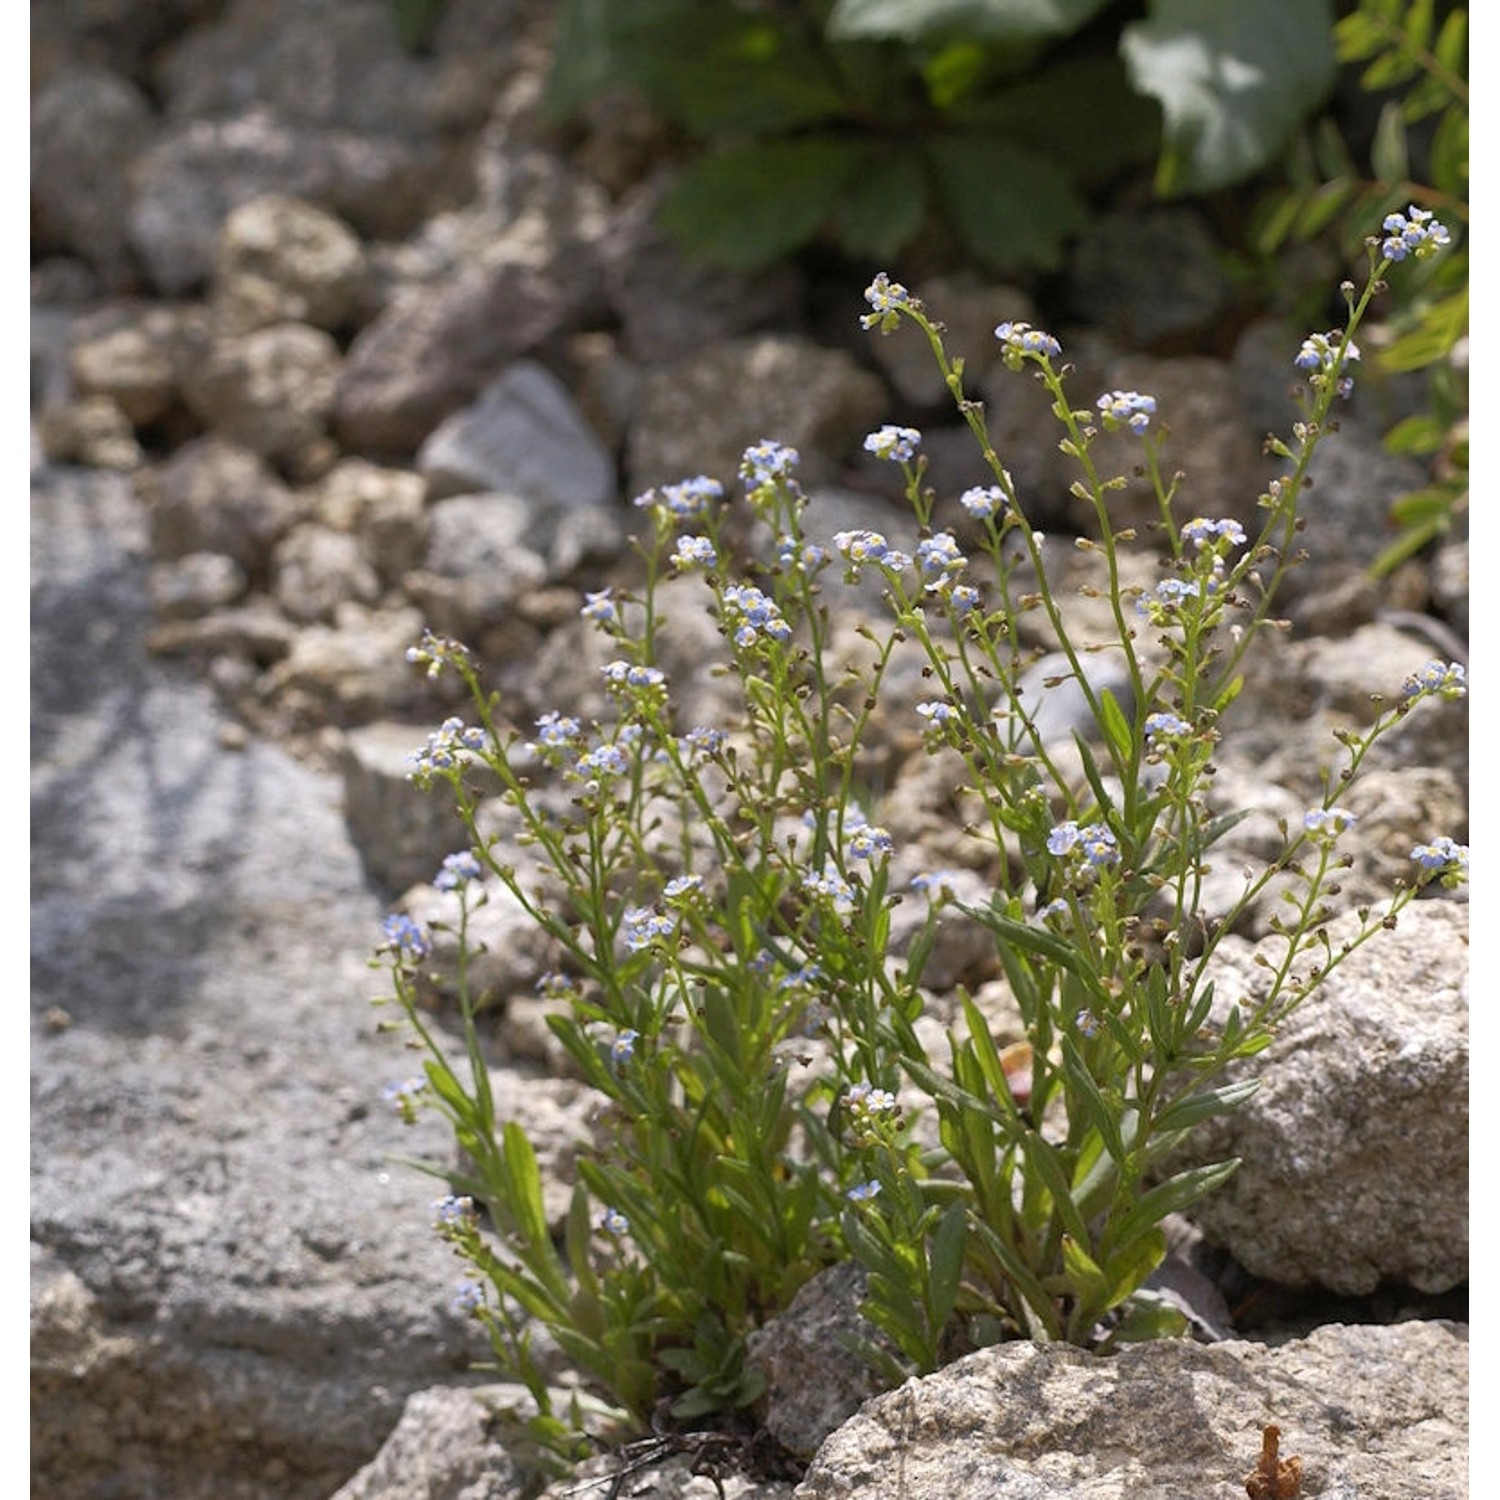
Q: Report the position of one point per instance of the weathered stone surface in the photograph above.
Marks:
(93, 432)
(270, 391)
(1355, 1149)
(135, 353)
(385, 509)
(280, 260)
(314, 569)
(816, 400)
(215, 496)
(1374, 1413)
(200, 583)
(87, 127)
(428, 354)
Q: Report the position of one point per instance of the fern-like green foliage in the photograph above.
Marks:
(1413, 55)
(870, 121)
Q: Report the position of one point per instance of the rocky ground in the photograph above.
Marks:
(331, 343)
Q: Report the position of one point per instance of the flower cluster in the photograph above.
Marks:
(1414, 233)
(859, 547)
(985, 502)
(451, 745)
(1437, 679)
(1020, 339)
(753, 615)
(1093, 843)
(1127, 409)
(1324, 356)
(1204, 533)
(437, 652)
(642, 928)
(1327, 823)
(407, 939)
(1443, 857)
(457, 871)
(899, 444)
(888, 298)
(766, 463)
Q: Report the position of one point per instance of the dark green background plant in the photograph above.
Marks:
(871, 121)
(1412, 57)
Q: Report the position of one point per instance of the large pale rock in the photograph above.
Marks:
(1355, 1149)
(525, 437)
(1374, 1413)
(136, 354)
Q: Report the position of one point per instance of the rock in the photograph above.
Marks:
(280, 260)
(1374, 1413)
(270, 391)
(93, 432)
(190, 587)
(1354, 1151)
(212, 495)
(87, 128)
(384, 509)
(478, 563)
(816, 400)
(429, 354)
(349, 672)
(815, 1381)
(402, 833)
(452, 1443)
(194, 174)
(235, 1291)
(119, 34)
(136, 354)
(314, 569)
(522, 437)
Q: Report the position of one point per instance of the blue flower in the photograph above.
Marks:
(939, 554)
(963, 598)
(612, 1221)
(1448, 681)
(701, 743)
(863, 1192)
(1326, 823)
(625, 674)
(1202, 532)
(936, 883)
(453, 744)
(1087, 1023)
(642, 927)
(453, 1213)
(457, 871)
(1021, 339)
(1165, 726)
(1095, 842)
(1127, 409)
(831, 885)
(868, 842)
(1414, 233)
(681, 888)
(1319, 356)
(1444, 855)
(437, 652)
(600, 607)
(555, 730)
(469, 1297)
(753, 614)
(694, 551)
(406, 938)
(887, 297)
(806, 557)
(607, 760)
(899, 444)
(768, 463)
(404, 1097)
(622, 1049)
(984, 504)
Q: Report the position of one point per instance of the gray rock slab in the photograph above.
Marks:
(1374, 1413)
(234, 1288)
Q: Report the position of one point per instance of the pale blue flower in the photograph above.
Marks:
(1327, 823)
(437, 652)
(612, 1221)
(694, 552)
(1127, 409)
(1450, 681)
(1443, 854)
(831, 885)
(607, 760)
(886, 297)
(898, 444)
(457, 871)
(626, 674)
(1414, 233)
(622, 1049)
(936, 883)
(406, 938)
(453, 1213)
(939, 554)
(453, 744)
(1203, 532)
(641, 927)
(987, 503)
(681, 888)
(1021, 339)
(753, 614)
(469, 1297)
(768, 463)
(1166, 726)
(1319, 356)
(863, 1192)
(600, 607)
(868, 842)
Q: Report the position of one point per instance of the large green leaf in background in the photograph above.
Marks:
(1000, 21)
(1234, 79)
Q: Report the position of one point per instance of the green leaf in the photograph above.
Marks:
(1388, 149)
(945, 1269)
(746, 206)
(1116, 727)
(1012, 206)
(1233, 82)
(1423, 433)
(1174, 1195)
(1087, 1280)
(884, 204)
(1185, 1113)
(1097, 1109)
(1004, 21)
(1442, 325)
